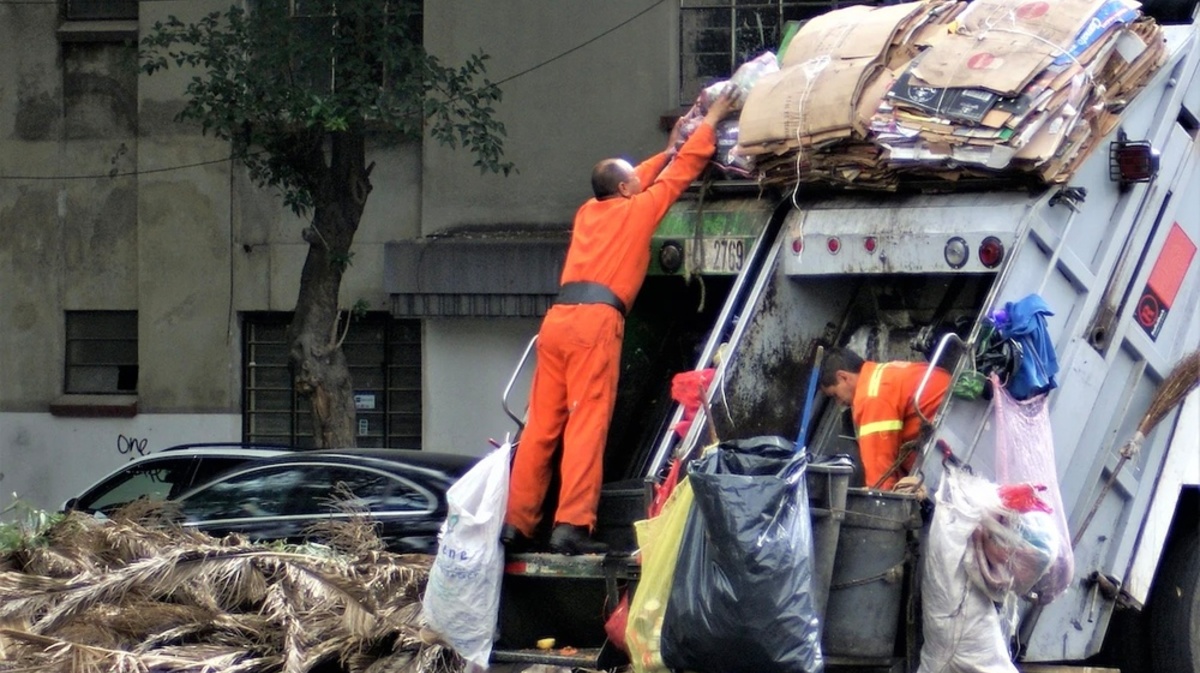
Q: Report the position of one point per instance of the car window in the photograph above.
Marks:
(258, 492)
(209, 467)
(156, 480)
(371, 489)
(304, 489)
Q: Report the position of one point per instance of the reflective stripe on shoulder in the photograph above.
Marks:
(880, 426)
(876, 378)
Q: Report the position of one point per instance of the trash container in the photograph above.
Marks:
(862, 613)
(828, 479)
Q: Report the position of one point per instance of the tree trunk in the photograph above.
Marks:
(321, 373)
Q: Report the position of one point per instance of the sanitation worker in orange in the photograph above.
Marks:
(881, 400)
(579, 344)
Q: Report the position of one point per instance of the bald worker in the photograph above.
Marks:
(579, 344)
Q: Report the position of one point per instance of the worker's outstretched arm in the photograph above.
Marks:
(658, 196)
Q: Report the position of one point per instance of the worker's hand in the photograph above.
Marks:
(722, 106)
(676, 134)
(912, 485)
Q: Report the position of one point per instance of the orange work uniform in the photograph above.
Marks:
(579, 345)
(885, 415)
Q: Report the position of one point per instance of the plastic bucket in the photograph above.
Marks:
(862, 613)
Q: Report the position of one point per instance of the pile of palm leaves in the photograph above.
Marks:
(138, 593)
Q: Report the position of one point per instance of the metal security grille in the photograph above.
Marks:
(716, 36)
(102, 352)
(384, 356)
(89, 10)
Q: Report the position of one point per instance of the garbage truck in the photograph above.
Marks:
(753, 283)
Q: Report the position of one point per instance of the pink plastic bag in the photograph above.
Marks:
(1025, 454)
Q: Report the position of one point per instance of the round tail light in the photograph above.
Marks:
(869, 244)
(670, 256)
(991, 252)
(797, 245)
(957, 253)
(833, 244)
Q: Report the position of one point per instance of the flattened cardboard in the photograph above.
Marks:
(1001, 62)
(1056, 21)
(858, 31)
(969, 105)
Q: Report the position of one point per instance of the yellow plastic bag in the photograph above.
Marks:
(659, 540)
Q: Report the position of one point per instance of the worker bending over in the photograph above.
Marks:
(881, 400)
(579, 343)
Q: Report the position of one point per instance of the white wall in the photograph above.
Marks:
(467, 364)
(45, 460)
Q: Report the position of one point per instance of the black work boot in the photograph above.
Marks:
(514, 541)
(574, 540)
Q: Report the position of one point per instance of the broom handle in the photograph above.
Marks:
(1100, 498)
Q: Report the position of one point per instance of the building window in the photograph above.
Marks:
(92, 10)
(716, 36)
(384, 356)
(102, 352)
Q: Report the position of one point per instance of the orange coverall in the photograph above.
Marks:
(886, 417)
(579, 346)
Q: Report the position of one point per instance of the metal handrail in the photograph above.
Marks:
(937, 356)
(512, 380)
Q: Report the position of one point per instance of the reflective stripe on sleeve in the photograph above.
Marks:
(876, 378)
(880, 426)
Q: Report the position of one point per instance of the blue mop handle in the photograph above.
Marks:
(808, 399)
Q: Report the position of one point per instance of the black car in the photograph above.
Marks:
(167, 474)
(403, 492)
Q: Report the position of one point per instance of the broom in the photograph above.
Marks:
(1184, 377)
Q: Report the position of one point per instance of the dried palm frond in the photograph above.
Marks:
(354, 533)
(52, 562)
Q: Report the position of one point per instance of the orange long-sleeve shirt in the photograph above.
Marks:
(610, 241)
(885, 416)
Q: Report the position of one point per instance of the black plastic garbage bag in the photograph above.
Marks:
(741, 600)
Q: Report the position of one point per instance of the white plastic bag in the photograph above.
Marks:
(462, 598)
(961, 625)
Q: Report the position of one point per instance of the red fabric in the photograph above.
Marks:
(579, 346)
(663, 491)
(889, 402)
(614, 626)
(1023, 498)
(687, 389)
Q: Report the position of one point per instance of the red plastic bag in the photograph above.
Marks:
(688, 389)
(615, 625)
(1023, 498)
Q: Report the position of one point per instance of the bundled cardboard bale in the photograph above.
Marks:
(949, 90)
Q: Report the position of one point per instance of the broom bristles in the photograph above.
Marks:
(1184, 377)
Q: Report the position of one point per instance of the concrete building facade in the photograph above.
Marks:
(144, 278)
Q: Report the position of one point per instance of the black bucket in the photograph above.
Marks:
(862, 614)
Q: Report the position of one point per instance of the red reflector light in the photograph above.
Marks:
(991, 252)
(833, 244)
(1132, 161)
(797, 245)
(869, 244)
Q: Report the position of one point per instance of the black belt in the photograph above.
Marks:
(585, 292)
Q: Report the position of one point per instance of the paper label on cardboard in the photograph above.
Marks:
(1130, 46)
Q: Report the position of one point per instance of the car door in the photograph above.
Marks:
(254, 502)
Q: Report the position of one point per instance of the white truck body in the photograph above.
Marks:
(1091, 260)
